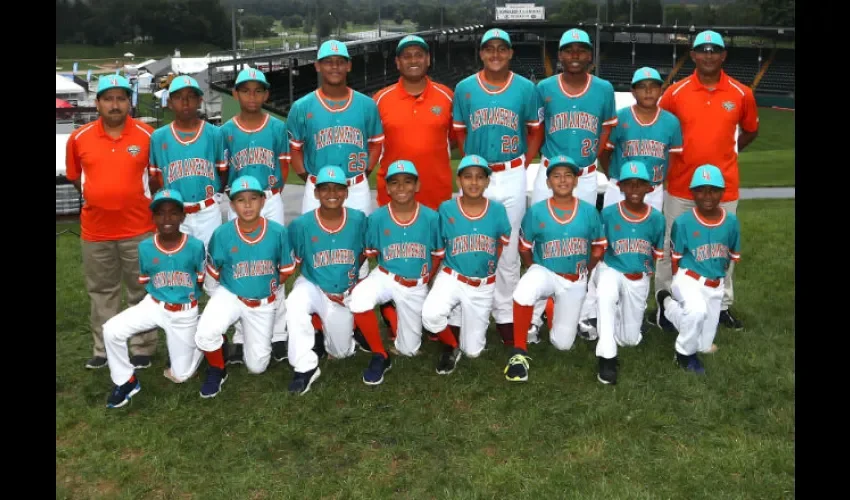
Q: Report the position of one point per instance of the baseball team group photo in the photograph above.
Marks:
(531, 257)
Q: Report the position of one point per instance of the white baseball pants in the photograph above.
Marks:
(537, 285)
(584, 190)
(202, 224)
(620, 309)
(473, 303)
(303, 301)
(378, 289)
(694, 311)
(179, 326)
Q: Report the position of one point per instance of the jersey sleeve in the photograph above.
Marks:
(281, 143)
(198, 260)
(459, 111)
(658, 236)
(220, 149)
(295, 126)
(533, 108)
(438, 247)
(144, 272)
(154, 163)
(596, 230)
(678, 240)
(287, 259)
(676, 141)
(296, 240)
(749, 113)
(609, 113)
(373, 122)
(526, 231)
(735, 241)
(611, 143)
(371, 243)
(215, 256)
(504, 227)
(73, 167)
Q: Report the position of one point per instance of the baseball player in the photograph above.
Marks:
(562, 241)
(248, 261)
(704, 240)
(328, 244)
(634, 239)
(172, 269)
(474, 231)
(404, 237)
(497, 117)
(256, 144)
(187, 155)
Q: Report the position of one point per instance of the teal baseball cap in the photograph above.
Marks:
(251, 75)
(574, 36)
(646, 73)
(333, 48)
(331, 174)
(245, 183)
(634, 170)
(474, 161)
(707, 175)
(562, 161)
(709, 37)
(182, 82)
(412, 40)
(496, 34)
(107, 82)
(166, 195)
(401, 167)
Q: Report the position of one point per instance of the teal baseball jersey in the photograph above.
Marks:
(703, 247)
(650, 143)
(471, 242)
(573, 122)
(174, 276)
(404, 248)
(495, 120)
(189, 163)
(257, 152)
(249, 265)
(633, 242)
(561, 240)
(329, 259)
(329, 136)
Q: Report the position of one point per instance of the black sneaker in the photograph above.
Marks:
(587, 329)
(215, 379)
(235, 354)
(96, 362)
(361, 341)
(448, 360)
(319, 344)
(378, 366)
(651, 318)
(121, 394)
(690, 363)
(279, 350)
(607, 370)
(660, 319)
(140, 362)
(729, 321)
(302, 381)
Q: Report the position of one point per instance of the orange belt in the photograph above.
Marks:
(581, 171)
(712, 283)
(471, 281)
(633, 276)
(257, 302)
(191, 208)
(176, 307)
(403, 281)
(506, 165)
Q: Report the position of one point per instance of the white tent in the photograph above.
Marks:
(65, 86)
(61, 142)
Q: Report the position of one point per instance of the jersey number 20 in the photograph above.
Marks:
(357, 162)
(510, 143)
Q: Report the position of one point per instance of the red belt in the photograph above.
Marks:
(506, 165)
(191, 208)
(712, 283)
(471, 281)
(351, 181)
(571, 277)
(403, 281)
(257, 302)
(581, 171)
(274, 191)
(176, 307)
(634, 276)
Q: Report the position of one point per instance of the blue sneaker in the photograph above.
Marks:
(690, 363)
(301, 382)
(121, 394)
(212, 385)
(378, 366)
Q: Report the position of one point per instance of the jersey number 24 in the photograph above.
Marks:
(588, 147)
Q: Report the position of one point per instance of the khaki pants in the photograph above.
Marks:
(674, 207)
(105, 265)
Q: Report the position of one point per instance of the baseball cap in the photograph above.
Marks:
(245, 183)
(646, 73)
(332, 174)
(497, 34)
(332, 48)
(707, 175)
(574, 36)
(411, 40)
(184, 81)
(562, 161)
(401, 167)
(474, 161)
(107, 82)
(709, 37)
(251, 75)
(166, 195)
(634, 170)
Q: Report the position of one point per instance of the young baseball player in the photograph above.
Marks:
(497, 116)
(404, 237)
(634, 239)
(474, 231)
(188, 155)
(562, 241)
(704, 241)
(328, 245)
(171, 267)
(256, 144)
(248, 261)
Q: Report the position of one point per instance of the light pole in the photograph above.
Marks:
(233, 12)
(337, 23)
(379, 18)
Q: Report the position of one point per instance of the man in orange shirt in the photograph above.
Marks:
(107, 161)
(710, 106)
(417, 117)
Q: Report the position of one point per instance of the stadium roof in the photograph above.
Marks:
(761, 31)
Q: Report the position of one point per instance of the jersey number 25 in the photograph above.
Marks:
(357, 162)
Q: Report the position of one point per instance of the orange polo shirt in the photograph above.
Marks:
(709, 119)
(418, 128)
(114, 180)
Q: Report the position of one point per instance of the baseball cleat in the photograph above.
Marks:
(448, 360)
(729, 321)
(533, 334)
(212, 385)
(279, 350)
(121, 394)
(587, 329)
(690, 363)
(235, 354)
(140, 362)
(517, 368)
(319, 344)
(301, 382)
(96, 362)
(360, 340)
(607, 370)
(660, 319)
(378, 366)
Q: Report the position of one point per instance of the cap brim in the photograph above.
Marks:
(650, 78)
(160, 201)
(264, 84)
(424, 46)
(580, 42)
(260, 191)
(485, 168)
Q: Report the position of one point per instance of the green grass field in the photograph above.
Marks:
(659, 433)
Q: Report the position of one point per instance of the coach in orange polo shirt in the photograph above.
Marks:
(417, 116)
(710, 106)
(107, 162)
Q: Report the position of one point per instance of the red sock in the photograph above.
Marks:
(389, 313)
(317, 322)
(132, 379)
(448, 338)
(215, 358)
(455, 331)
(550, 312)
(367, 322)
(522, 322)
